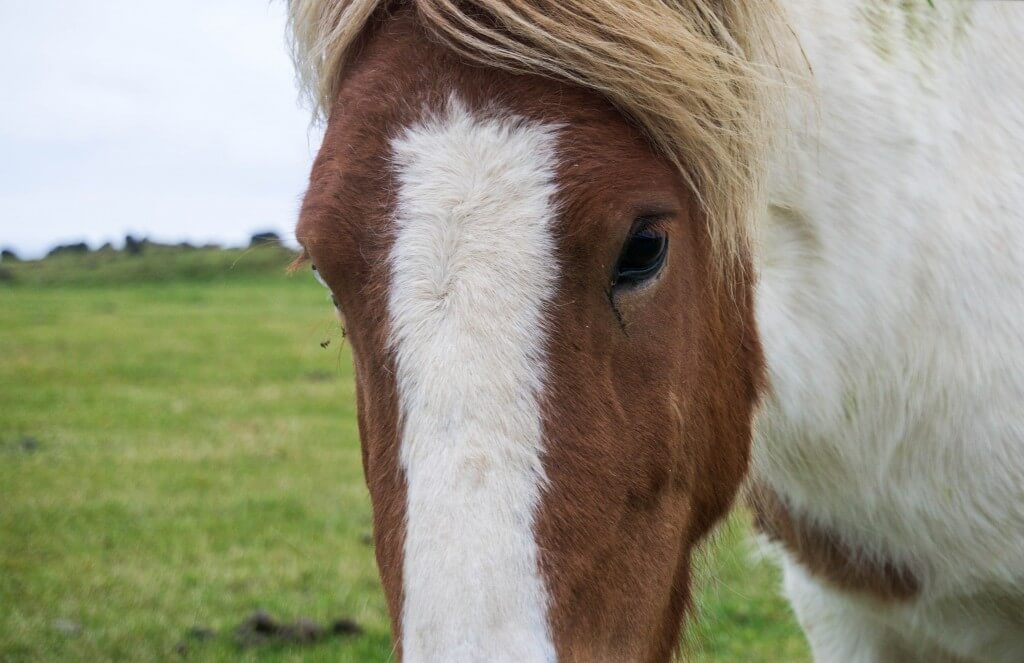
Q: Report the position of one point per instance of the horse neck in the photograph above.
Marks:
(895, 190)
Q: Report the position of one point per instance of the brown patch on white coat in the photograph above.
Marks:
(825, 554)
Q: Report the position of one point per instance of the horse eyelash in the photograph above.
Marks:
(657, 222)
(299, 262)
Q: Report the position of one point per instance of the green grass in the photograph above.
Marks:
(157, 264)
(197, 459)
(741, 616)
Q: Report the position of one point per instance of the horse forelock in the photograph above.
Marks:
(692, 75)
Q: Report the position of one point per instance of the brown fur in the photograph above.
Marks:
(647, 415)
(823, 553)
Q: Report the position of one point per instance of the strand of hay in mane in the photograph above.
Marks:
(694, 75)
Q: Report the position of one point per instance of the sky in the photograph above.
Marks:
(169, 120)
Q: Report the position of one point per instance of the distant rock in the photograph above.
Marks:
(257, 629)
(260, 628)
(346, 626)
(265, 238)
(63, 249)
(133, 246)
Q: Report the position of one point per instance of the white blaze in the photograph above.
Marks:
(473, 266)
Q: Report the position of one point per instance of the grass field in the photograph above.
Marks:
(177, 450)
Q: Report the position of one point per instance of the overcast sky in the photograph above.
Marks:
(173, 120)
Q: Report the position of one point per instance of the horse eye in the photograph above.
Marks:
(642, 257)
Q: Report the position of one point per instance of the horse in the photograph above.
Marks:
(578, 246)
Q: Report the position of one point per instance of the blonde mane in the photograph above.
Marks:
(690, 73)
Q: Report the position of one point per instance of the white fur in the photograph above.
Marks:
(473, 266)
(891, 307)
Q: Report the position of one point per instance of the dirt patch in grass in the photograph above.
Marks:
(261, 628)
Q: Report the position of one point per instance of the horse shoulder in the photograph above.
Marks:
(892, 290)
